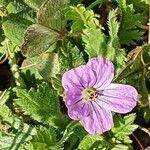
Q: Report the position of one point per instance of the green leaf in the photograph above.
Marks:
(129, 32)
(70, 57)
(74, 131)
(114, 52)
(90, 142)
(2, 37)
(139, 5)
(35, 4)
(120, 147)
(12, 8)
(45, 65)
(78, 134)
(13, 122)
(4, 96)
(124, 127)
(14, 28)
(30, 65)
(51, 14)
(56, 83)
(49, 66)
(143, 91)
(14, 142)
(3, 3)
(134, 63)
(23, 132)
(38, 39)
(4, 112)
(146, 54)
(81, 17)
(45, 138)
(41, 104)
(113, 25)
(94, 41)
(146, 114)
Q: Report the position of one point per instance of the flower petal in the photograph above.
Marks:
(72, 97)
(99, 120)
(118, 98)
(104, 71)
(79, 78)
(79, 110)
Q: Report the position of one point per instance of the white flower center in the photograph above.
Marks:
(89, 94)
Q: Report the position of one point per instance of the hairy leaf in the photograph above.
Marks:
(14, 28)
(129, 32)
(90, 142)
(38, 39)
(81, 17)
(49, 66)
(51, 14)
(70, 56)
(123, 127)
(45, 138)
(56, 83)
(114, 51)
(41, 104)
(14, 142)
(94, 41)
(35, 4)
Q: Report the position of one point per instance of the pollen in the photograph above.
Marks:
(89, 94)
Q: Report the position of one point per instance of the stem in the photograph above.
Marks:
(141, 147)
(95, 3)
(14, 67)
(6, 56)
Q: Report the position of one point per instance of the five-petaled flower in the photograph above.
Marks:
(91, 97)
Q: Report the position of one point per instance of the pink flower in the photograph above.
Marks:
(91, 97)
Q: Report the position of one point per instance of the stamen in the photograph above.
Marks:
(89, 94)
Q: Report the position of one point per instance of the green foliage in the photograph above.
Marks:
(117, 139)
(51, 14)
(73, 132)
(47, 68)
(43, 39)
(81, 17)
(20, 131)
(123, 128)
(129, 32)
(94, 41)
(139, 5)
(13, 142)
(84, 20)
(56, 83)
(146, 113)
(114, 52)
(38, 39)
(14, 28)
(70, 56)
(4, 96)
(43, 110)
(50, 66)
(35, 4)
(135, 72)
(120, 147)
(44, 138)
(90, 142)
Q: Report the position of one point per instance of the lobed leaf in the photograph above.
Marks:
(129, 32)
(38, 39)
(41, 104)
(14, 28)
(124, 127)
(51, 14)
